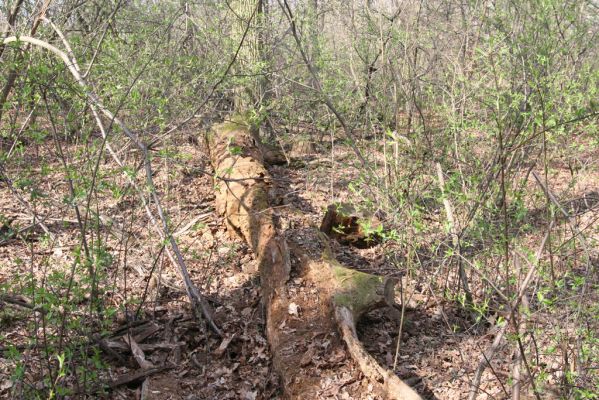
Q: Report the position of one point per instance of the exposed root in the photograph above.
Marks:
(391, 385)
(357, 293)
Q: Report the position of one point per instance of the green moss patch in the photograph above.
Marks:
(357, 290)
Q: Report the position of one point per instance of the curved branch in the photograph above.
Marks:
(177, 258)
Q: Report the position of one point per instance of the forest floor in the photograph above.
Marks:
(440, 344)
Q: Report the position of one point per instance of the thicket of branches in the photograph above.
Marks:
(468, 105)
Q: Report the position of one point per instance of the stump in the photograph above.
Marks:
(343, 223)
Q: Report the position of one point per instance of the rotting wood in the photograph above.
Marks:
(242, 197)
(138, 353)
(129, 378)
(135, 376)
(150, 347)
(345, 224)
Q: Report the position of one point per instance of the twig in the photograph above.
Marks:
(190, 224)
(454, 235)
(577, 233)
(96, 105)
(490, 353)
(12, 73)
(35, 217)
(565, 213)
(401, 320)
(21, 302)
(197, 301)
(516, 375)
(325, 98)
(214, 87)
(97, 50)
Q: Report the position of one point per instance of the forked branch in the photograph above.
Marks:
(198, 303)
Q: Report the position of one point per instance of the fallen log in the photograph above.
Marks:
(297, 327)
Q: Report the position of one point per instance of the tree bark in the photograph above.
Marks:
(248, 18)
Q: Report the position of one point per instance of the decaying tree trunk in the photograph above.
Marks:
(293, 323)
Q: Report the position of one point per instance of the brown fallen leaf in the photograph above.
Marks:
(307, 357)
(223, 346)
(248, 395)
(246, 311)
(337, 357)
(6, 384)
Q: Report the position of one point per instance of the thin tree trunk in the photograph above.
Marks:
(455, 239)
(10, 23)
(13, 73)
(249, 94)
